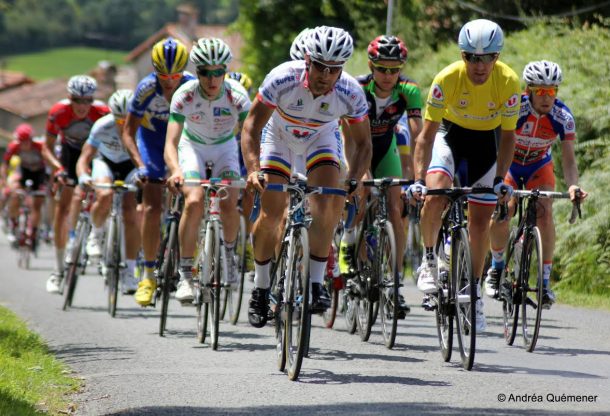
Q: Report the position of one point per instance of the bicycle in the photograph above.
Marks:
(77, 259)
(212, 261)
(113, 249)
(413, 244)
(26, 243)
(168, 259)
(234, 293)
(290, 289)
(456, 293)
(521, 283)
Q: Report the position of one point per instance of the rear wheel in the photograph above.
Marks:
(330, 282)
(297, 303)
(466, 296)
(531, 307)
(388, 284)
(364, 266)
(235, 292)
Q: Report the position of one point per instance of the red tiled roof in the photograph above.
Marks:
(10, 79)
(234, 39)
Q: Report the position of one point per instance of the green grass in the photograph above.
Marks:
(32, 381)
(61, 62)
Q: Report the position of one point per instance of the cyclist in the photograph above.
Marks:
(203, 116)
(389, 95)
(468, 100)
(31, 167)
(542, 119)
(298, 49)
(295, 114)
(146, 123)
(111, 162)
(70, 120)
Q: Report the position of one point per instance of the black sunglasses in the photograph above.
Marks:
(332, 69)
(474, 58)
(78, 100)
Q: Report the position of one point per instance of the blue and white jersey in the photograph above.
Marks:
(104, 136)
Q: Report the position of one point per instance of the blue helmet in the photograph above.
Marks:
(481, 36)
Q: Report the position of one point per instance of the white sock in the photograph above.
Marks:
(316, 270)
(262, 278)
(131, 265)
(97, 232)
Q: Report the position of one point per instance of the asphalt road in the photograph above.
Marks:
(129, 370)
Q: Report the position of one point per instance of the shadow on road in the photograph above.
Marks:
(81, 353)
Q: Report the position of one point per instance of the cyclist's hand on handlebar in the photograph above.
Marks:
(503, 190)
(352, 187)
(142, 175)
(175, 181)
(417, 191)
(255, 181)
(85, 180)
(60, 176)
(577, 193)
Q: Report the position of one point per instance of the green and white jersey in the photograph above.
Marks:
(209, 121)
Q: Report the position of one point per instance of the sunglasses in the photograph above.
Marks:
(387, 69)
(211, 73)
(332, 69)
(540, 91)
(119, 120)
(486, 58)
(173, 77)
(78, 100)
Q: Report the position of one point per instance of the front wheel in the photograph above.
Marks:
(73, 266)
(465, 296)
(169, 272)
(385, 265)
(445, 307)
(112, 266)
(508, 291)
(531, 288)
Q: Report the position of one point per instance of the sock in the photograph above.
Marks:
(149, 269)
(131, 265)
(497, 258)
(186, 268)
(97, 232)
(349, 236)
(59, 259)
(317, 268)
(262, 279)
(547, 266)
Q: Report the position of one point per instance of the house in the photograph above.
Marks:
(31, 103)
(186, 30)
(12, 79)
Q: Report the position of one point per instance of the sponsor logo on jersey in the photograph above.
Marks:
(298, 106)
(437, 93)
(300, 133)
(512, 101)
(463, 103)
(284, 80)
(391, 109)
(197, 117)
(221, 111)
(491, 105)
(570, 125)
(527, 128)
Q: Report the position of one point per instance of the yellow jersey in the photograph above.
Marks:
(454, 97)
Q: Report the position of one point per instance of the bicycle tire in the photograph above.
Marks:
(414, 252)
(72, 272)
(364, 265)
(297, 302)
(531, 279)
(169, 269)
(330, 314)
(234, 294)
(215, 283)
(112, 266)
(388, 284)
(445, 308)
(278, 308)
(465, 297)
(509, 291)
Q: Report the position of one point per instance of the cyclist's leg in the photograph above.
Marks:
(544, 179)
(101, 173)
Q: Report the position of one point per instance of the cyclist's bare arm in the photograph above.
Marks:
(423, 148)
(358, 148)
(506, 152)
(132, 123)
(415, 127)
(570, 169)
(84, 160)
(47, 152)
(170, 152)
(251, 138)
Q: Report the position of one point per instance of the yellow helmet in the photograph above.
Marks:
(169, 56)
(242, 78)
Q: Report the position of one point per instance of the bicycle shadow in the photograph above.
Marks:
(504, 369)
(569, 352)
(83, 353)
(323, 377)
(319, 354)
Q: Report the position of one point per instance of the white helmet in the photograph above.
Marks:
(329, 44)
(119, 102)
(542, 73)
(481, 36)
(82, 86)
(210, 51)
(298, 50)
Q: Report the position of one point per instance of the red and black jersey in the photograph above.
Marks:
(74, 132)
(30, 159)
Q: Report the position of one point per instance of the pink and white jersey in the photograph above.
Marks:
(536, 133)
(301, 117)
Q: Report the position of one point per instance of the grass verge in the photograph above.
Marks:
(32, 381)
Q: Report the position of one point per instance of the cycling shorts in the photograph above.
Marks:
(69, 157)
(151, 152)
(104, 168)
(537, 175)
(38, 178)
(386, 162)
(193, 157)
(454, 145)
(280, 156)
